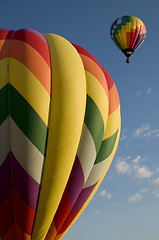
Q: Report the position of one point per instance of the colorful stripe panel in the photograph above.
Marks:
(59, 129)
(102, 162)
(23, 126)
(65, 126)
(91, 137)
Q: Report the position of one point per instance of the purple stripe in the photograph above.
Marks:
(75, 182)
(5, 178)
(25, 185)
(84, 195)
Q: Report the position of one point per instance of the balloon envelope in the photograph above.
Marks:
(128, 33)
(59, 130)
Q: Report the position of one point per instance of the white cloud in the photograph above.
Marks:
(141, 130)
(155, 182)
(142, 172)
(135, 198)
(132, 167)
(145, 131)
(123, 135)
(137, 159)
(123, 168)
(105, 194)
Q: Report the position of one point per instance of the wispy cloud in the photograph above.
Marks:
(97, 212)
(143, 190)
(142, 172)
(132, 167)
(114, 204)
(149, 91)
(123, 135)
(135, 198)
(146, 131)
(155, 182)
(123, 168)
(137, 159)
(105, 194)
(156, 193)
(140, 93)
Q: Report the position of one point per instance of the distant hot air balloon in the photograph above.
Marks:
(128, 33)
(59, 130)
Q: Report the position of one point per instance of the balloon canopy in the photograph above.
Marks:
(128, 33)
(59, 130)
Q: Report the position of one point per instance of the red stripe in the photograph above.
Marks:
(70, 218)
(24, 214)
(110, 82)
(83, 51)
(5, 177)
(5, 34)
(35, 41)
(6, 214)
(60, 216)
(63, 211)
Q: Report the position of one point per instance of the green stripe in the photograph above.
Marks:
(94, 121)
(106, 148)
(3, 103)
(28, 120)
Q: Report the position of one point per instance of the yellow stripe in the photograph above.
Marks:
(30, 88)
(138, 22)
(99, 182)
(133, 25)
(3, 72)
(112, 123)
(128, 27)
(65, 127)
(97, 93)
(120, 40)
(122, 37)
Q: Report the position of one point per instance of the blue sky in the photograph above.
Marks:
(126, 206)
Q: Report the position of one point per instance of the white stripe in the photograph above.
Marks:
(29, 157)
(4, 140)
(96, 173)
(86, 151)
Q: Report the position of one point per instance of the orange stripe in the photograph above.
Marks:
(113, 94)
(28, 56)
(95, 70)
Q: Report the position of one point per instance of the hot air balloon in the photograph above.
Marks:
(128, 33)
(59, 130)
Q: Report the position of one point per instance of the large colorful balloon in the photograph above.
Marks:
(59, 130)
(128, 33)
